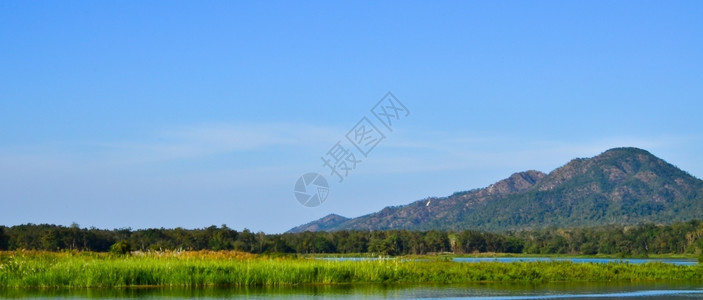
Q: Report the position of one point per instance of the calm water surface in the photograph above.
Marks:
(660, 290)
(682, 262)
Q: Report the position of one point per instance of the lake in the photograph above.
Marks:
(682, 262)
(496, 291)
(676, 261)
(659, 290)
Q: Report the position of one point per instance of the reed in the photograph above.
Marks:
(228, 268)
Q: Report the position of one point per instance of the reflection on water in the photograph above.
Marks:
(660, 290)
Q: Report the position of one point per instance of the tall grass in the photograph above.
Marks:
(87, 269)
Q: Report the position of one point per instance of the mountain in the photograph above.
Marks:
(620, 186)
(329, 222)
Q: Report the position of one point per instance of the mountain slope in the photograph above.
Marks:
(329, 222)
(619, 186)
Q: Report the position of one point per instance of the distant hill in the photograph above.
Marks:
(620, 186)
(327, 223)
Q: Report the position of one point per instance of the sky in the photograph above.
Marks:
(150, 114)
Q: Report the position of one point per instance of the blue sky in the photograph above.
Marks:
(171, 113)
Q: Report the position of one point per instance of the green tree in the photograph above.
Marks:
(121, 248)
(51, 240)
(556, 244)
(323, 245)
(279, 245)
(472, 241)
(377, 243)
(3, 238)
(144, 239)
(182, 239)
(393, 244)
(222, 238)
(415, 244)
(589, 248)
(513, 245)
(246, 241)
(437, 241)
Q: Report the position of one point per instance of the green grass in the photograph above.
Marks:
(87, 269)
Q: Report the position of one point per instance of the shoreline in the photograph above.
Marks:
(35, 269)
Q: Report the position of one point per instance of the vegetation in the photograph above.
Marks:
(231, 268)
(624, 186)
(644, 186)
(684, 238)
(121, 248)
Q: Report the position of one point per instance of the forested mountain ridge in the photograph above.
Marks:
(324, 224)
(620, 186)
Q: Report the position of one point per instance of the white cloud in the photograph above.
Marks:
(179, 143)
(428, 151)
(191, 163)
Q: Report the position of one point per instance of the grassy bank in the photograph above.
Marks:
(496, 254)
(87, 269)
(613, 256)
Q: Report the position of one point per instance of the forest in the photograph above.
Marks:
(640, 240)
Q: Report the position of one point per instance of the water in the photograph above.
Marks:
(492, 291)
(682, 262)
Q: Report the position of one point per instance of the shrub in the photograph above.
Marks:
(121, 248)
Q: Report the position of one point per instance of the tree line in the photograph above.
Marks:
(644, 239)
